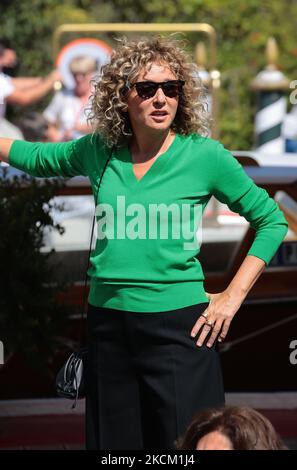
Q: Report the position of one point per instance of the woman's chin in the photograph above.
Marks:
(158, 126)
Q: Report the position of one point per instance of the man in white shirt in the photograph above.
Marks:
(6, 89)
(22, 91)
(7, 59)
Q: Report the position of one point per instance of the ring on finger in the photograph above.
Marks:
(209, 323)
(204, 315)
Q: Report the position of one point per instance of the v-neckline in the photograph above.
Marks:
(155, 167)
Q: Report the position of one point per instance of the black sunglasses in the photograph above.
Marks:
(171, 88)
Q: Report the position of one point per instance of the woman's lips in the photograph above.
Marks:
(159, 116)
(159, 113)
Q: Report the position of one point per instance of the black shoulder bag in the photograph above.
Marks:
(70, 381)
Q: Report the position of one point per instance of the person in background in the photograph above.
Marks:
(9, 58)
(21, 91)
(230, 428)
(66, 113)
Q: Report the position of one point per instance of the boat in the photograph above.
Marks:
(256, 353)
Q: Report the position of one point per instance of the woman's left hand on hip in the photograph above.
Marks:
(216, 317)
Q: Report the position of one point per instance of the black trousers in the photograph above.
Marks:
(146, 378)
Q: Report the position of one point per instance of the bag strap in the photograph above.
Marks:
(84, 304)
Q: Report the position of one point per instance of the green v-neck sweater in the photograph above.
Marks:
(150, 230)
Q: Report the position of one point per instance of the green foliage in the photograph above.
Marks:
(30, 318)
(242, 31)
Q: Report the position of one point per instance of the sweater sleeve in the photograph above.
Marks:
(66, 159)
(235, 188)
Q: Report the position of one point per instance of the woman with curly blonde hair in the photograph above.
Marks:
(109, 106)
(152, 328)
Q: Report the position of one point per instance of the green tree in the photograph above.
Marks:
(31, 320)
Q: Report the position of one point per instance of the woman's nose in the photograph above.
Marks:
(159, 96)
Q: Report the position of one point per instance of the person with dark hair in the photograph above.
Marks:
(8, 57)
(230, 428)
(21, 90)
(152, 329)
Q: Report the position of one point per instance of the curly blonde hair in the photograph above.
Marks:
(108, 109)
